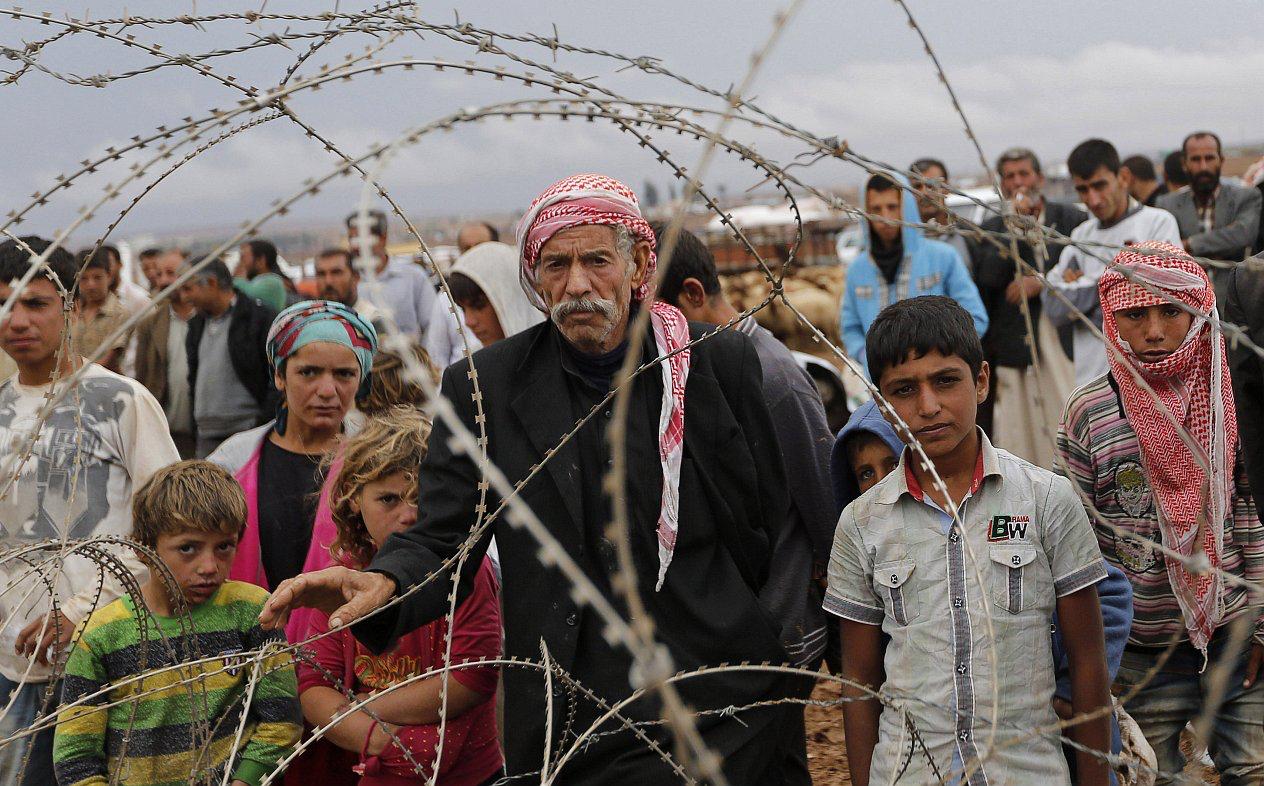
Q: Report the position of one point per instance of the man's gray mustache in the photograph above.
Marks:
(606, 308)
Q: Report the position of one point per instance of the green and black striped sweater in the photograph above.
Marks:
(179, 723)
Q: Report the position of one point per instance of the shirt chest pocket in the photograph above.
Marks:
(1014, 576)
(892, 580)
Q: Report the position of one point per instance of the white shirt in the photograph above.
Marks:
(402, 290)
(135, 299)
(102, 440)
(179, 406)
(1145, 223)
(443, 341)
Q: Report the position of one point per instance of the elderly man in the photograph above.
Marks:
(705, 493)
(1018, 423)
(162, 360)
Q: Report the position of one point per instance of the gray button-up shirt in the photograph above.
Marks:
(404, 291)
(968, 612)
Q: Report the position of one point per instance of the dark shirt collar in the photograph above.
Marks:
(595, 371)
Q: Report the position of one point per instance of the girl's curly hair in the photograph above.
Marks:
(394, 441)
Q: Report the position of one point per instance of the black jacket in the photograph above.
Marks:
(247, 351)
(1006, 341)
(1243, 308)
(732, 505)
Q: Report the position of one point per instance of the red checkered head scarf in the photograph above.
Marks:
(1187, 428)
(597, 199)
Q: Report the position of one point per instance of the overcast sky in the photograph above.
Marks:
(1043, 75)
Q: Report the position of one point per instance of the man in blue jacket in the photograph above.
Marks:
(899, 262)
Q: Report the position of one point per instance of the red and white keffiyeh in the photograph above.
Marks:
(597, 199)
(1192, 478)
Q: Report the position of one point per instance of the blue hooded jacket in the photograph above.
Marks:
(866, 418)
(929, 267)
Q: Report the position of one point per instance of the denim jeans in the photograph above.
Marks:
(1177, 695)
(28, 703)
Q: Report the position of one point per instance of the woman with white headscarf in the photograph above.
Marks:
(484, 283)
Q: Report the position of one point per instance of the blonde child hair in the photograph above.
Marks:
(188, 495)
(392, 442)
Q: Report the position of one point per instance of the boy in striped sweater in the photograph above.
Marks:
(1152, 445)
(178, 686)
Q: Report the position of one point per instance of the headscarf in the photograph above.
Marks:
(319, 320)
(494, 268)
(1193, 481)
(597, 199)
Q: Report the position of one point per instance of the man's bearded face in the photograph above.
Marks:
(1203, 162)
(587, 283)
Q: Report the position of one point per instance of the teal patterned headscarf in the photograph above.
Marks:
(319, 320)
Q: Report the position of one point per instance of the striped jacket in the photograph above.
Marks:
(177, 725)
(1103, 457)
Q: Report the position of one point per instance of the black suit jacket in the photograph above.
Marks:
(247, 351)
(1006, 341)
(732, 504)
(1244, 307)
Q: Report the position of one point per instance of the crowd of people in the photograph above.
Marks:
(238, 541)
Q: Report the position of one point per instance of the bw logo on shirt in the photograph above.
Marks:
(1008, 528)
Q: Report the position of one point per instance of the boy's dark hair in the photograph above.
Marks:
(858, 441)
(1141, 168)
(1090, 156)
(921, 165)
(1174, 170)
(88, 259)
(917, 326)
(464, 290)
(880, 183)
(152, 251)
(689, 259)
(377, 222)
(15, 260)
(1200, 135)
(492, 232)
(188, 495)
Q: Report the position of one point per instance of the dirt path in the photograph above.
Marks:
(826, 760)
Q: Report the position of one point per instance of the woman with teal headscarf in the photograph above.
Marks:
(321, 354)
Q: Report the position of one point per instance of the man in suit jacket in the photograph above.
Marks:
(1016, 423)
(162, 361)
(700, 557)
(1242, 308)
(1217, 219)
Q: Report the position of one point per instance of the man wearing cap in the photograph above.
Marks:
(705, 492)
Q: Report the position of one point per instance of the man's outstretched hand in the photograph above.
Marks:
(345, 595)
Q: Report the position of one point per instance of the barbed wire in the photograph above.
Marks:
(573, 98)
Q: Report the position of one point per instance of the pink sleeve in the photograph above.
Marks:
(476, 632)
(421, 743)
(326, 661)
